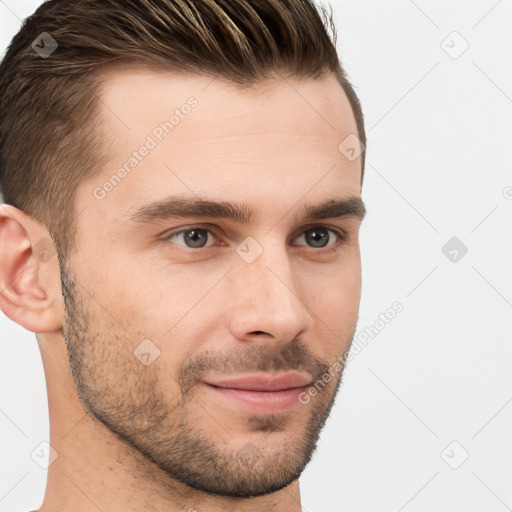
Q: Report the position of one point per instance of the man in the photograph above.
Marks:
(182, 186)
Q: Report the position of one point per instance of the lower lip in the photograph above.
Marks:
(262, 402)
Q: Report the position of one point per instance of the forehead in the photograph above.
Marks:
(191, 134)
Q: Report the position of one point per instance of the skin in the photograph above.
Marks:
(131, 436)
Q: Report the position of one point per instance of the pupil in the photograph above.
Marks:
(318, 238)
(196, 237)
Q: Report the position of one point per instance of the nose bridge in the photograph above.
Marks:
(267, 297)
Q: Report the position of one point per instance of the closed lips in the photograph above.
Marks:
(262, 382)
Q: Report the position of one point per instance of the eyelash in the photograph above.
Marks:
(342, 236)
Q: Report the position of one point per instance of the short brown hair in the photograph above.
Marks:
(49, 129)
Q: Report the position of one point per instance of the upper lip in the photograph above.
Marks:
(263, 382)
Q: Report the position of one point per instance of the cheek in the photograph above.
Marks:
(334, 300)
(335, 289)
(172, 308)
(147, 297)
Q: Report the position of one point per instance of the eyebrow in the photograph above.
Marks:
(181, 207)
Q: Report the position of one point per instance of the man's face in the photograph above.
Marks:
(158, 316)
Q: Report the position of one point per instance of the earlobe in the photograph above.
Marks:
(27, 272)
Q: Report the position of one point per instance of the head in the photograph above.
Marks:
(186, 163)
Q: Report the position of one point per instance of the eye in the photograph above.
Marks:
(197, 237)
(194, 238)
(319, 237)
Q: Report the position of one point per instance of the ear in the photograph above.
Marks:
(30, 290)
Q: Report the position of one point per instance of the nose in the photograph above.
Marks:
(266, 299)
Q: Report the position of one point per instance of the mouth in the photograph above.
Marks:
(260, 393)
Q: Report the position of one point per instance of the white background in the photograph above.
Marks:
(438, 166)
